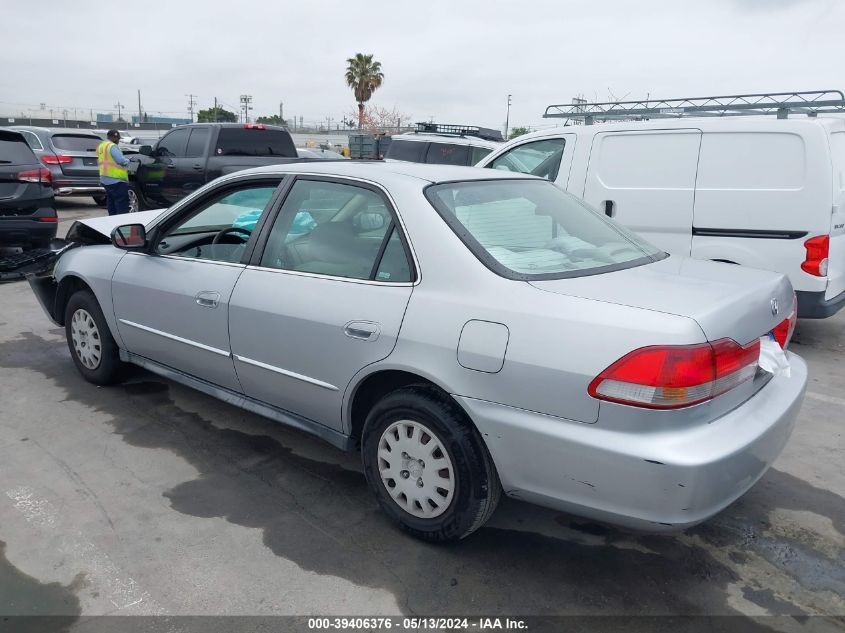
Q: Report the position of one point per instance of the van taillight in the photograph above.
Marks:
(818, 249)
(675, 376)
(783, 331)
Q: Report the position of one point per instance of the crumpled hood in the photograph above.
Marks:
(724, 299)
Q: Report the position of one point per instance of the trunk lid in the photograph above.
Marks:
(727, 301)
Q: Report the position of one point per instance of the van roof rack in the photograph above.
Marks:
(486, 133)
(777, 103)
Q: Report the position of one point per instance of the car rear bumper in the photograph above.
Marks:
(813, 305)
(75, 190)
(658, 481)
(64, 185)
(26, 229)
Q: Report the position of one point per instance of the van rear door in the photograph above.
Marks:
(646, 181)
(836, 257)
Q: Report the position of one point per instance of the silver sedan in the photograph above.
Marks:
(469, 332)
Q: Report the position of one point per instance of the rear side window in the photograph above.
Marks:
(197, 142)
(75, 142)
(478, 153)
(234, 141)
(539, 158)
(15, 151)
(33, 141)
(447, 154)
(411, 151)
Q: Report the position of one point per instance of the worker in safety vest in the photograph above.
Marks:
(113, 174)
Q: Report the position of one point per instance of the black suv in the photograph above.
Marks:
(27, 214)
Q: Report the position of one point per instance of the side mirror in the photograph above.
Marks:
(146, 150)
(129, 237)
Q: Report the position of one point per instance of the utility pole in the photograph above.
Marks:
(140, 114)
(508, 117)
(282, 110)
(191, 103)
(246, 100)
(215, 110)
(119, 106)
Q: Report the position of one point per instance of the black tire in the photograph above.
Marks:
(100, 201)
(136, 200)
(476, 488)
(109, 368)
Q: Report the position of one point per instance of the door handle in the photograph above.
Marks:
(362, 330)
(197, 167)
(208, 299)
(170, 165)
(609, 208)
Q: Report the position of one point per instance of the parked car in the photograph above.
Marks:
(189, 156)
(27, 215)
(469, 332)
(756, 191)
(71, 156)
(440, 144)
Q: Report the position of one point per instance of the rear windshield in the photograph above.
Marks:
(411, 151)
(234, 141)
(76, 142)
(15, 151)
(530, 229)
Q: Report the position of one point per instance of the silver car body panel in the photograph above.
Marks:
(295, 347)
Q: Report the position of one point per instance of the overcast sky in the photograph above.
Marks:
(454, 61)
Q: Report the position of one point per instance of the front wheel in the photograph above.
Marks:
(136, 201)
(91, 344)
(428, 466)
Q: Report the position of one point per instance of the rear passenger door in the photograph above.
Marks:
(646, 181)
(324, 298)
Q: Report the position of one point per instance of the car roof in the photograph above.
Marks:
(450, 139)
(382, 172)
(54, 130)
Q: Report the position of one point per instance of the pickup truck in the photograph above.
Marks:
(189, 156)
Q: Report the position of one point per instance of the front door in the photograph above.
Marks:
(172, 174)
(549, 158)
(172, 303)
(325, 298)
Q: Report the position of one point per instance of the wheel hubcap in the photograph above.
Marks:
(86, 339)
(415, 469)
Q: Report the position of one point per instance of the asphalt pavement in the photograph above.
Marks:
(148, 498)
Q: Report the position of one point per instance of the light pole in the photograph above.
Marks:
(508, 117)
(246, 100)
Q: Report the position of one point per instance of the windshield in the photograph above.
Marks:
(530, 229)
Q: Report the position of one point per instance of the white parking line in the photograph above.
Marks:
(823, 398)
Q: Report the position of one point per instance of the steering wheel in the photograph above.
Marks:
(228, 231)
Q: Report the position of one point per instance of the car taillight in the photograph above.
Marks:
(49, 159)
(50, 218)
(818, 249)
(674, 376)
(35, 175)
(783, 330)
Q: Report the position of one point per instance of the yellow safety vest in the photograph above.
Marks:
(106, 163)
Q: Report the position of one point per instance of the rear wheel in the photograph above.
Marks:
(92, 347)
(428, 466)
(136, 202)
(100, 201)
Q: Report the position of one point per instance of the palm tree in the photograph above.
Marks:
(363, 75)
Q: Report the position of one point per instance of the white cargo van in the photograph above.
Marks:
(753, 190)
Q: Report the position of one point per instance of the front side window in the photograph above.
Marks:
(338, 230)
(218, 229)
(538, 158)
(173, 145)
(447, 154)
(530, 229)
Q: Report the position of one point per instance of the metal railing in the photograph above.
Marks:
(781, 104)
